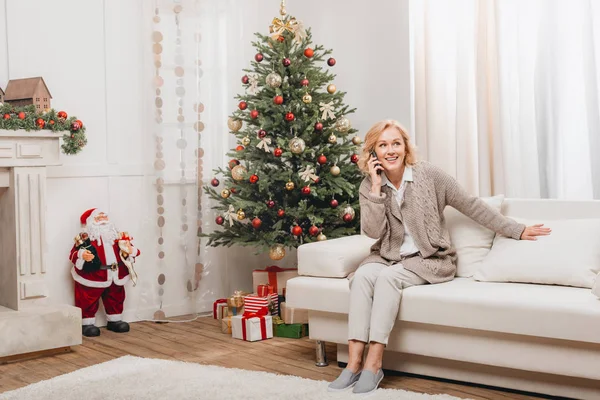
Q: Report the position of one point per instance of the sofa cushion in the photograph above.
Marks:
(539, 310)
(569, 256)
(471, 240)
(335, 258)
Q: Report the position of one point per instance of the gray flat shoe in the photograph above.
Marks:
(346, 380)
(368, 382)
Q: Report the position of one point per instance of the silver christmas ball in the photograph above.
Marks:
(273, 80)
(297, 145)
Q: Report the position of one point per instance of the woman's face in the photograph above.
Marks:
(390, 149)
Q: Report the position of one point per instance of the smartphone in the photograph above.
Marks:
(375, 155)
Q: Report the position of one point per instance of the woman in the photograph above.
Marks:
(402, 203)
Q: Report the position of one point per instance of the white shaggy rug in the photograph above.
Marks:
(146, 378)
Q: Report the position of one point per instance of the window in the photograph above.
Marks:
(37, 99)
(38, 106)
(46, 99)
(45, 105)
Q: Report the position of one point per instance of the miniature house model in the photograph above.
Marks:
(22, 92)
(1, 95)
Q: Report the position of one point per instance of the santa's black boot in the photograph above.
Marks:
(117, 326)
(90, 330)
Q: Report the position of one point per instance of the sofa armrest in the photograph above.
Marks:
(596, 287)
(334, 258)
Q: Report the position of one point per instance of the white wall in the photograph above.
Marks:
(93, 56)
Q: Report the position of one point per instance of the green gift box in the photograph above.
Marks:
(294, 331)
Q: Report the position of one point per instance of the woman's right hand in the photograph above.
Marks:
(375, 165)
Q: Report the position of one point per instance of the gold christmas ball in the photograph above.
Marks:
(332, 139)
(234, 124)
(239, 172)
(225, 193)
(241, 214)
(331, 88)
(307, 98)
(342, 125)
(356, 140)
(245, 141)
(335, 170)
(273, 80)
(297, 145)
(277, 252)
(321, 237)
(290, 185)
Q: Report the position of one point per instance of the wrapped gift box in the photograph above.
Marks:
(274, 276)
(252, 327)
(293, 315)
(218, 308)
(253, 303)
(294, 331)
(226, 325)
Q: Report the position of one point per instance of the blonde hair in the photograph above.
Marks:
(373, 135)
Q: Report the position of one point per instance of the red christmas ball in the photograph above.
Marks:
(348, 218)
(304, 82)
(215, 182)
(51, 122)
(322, 159)
(261, 133)
(313, 231)
(289, 117)
(21, 115)
(354, 158)
(6, 116)
(277, 152)
(308, 52)
(62, 115)
(243, 105)
(306, 190)
(233, 163)
(219, 220)
(239, 148)
(318, 127)
(331, 62)
(278, 100)
(75, 126)
(296, 231)
(280, 39)
(256, 223)
(254, 114)
(245, 79)
(80, 123)
(317, 180)
(254, 178)
(286, 62)
(280, 213)
(233, 190)
(258, 57)
(40, 123)
(333, 203)
(270, 203)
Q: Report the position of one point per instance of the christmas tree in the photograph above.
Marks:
(293, 177)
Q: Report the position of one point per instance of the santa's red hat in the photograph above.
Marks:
(91, 213)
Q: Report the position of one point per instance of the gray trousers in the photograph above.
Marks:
(375, 294)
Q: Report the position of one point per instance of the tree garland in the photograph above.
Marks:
(27, 118)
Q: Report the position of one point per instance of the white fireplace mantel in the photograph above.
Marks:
(29, 322)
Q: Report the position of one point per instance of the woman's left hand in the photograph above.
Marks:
(530, 232)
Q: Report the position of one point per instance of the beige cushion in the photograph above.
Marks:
(471, 240)
(540, 310)
(569, 256)
(335, 258)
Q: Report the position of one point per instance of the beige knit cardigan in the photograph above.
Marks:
(422, 211)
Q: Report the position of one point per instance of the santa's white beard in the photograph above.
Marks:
(104, 231)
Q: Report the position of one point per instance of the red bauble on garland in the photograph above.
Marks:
(280, 39)
(308, 52)
(354, 158)
(239, 148)
(219, 220)
(313, 231)
(75, 126)
(61, 115)
(40, 123)
(289, 117)
(322, 159)
(253, 178)
(51, 122)
(304, 82)
(21, 115)
(6, 116)
(296, 231)
(333, 203)
(258, 57)
(305, 190)
(318, 127)
(256, 223)
(286, 62)
(215, 182)
(254, 114)
(280, 213)
(243, 105)
(270, 203)
(278, 100)
(277, 152)
(245, 79)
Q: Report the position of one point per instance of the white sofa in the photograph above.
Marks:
(530, 337)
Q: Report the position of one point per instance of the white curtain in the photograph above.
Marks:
(505, 94)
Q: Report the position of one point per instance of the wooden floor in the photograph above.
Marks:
(201, 341)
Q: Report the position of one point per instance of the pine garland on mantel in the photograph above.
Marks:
(27, 118)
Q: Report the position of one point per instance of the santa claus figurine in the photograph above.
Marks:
(102, 277)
